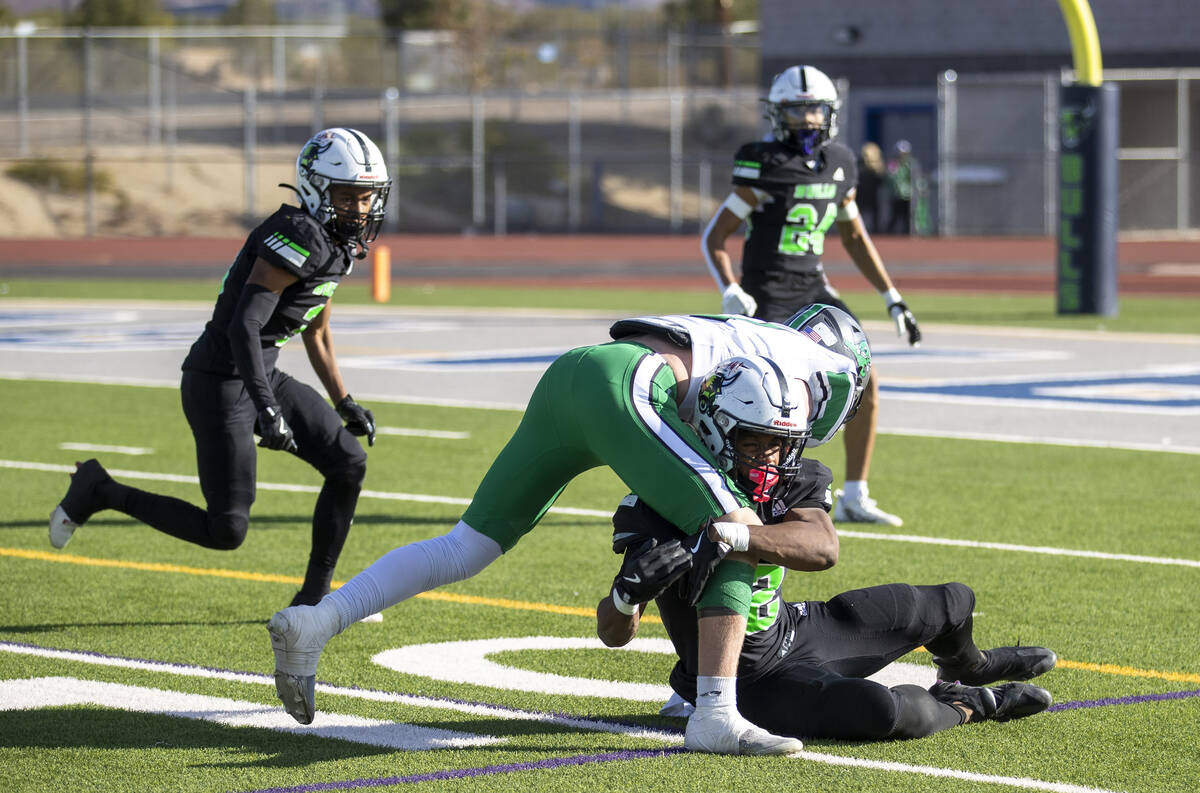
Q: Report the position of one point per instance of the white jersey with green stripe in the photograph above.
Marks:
(713, 338)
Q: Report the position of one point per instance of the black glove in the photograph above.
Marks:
(706, 555)
(648, 569)
(275, 432)
(359, 420)
(905, 323)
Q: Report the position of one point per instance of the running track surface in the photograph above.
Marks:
(1017, 264)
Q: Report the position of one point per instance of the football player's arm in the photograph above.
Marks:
(866, 258)
(257, 303)
(736, 207)
(614, 628)
(318, 343)
(805, 540)
(858, 244)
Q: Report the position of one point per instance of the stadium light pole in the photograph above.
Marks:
(1087, 176)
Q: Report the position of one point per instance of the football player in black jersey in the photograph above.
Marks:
(790, 190)
(280, 285)
(803, 665)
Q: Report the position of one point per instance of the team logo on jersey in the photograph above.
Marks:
(778, 508)
(839, 175)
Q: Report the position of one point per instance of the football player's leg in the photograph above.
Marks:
(325, 444)
(636, 430)
(954, 650)
(519, 487)
(861, 631)
(221, 420)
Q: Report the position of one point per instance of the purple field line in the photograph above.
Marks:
(1131, 700)
(463, 773)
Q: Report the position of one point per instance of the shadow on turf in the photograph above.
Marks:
(109, 729)
(53, 626)
(260, 521)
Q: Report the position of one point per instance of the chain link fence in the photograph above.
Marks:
(998, 152)
(189, 131)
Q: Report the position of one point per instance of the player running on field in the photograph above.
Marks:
(280, 285)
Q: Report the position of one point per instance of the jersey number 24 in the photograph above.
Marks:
(804, 231)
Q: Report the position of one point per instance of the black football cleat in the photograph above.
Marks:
(80, 503)
(1000, 663)
(997, 703)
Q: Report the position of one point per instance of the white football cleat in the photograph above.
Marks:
(721, 731)
(62, 528)
(862, 510)
(298, 635)
(676, 706)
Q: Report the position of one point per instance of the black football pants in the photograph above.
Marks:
(818, 690)
(222, 419)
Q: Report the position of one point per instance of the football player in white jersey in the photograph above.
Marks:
(624, 404)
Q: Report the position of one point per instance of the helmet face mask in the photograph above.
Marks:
(334, 164)
(793, 94)
(742, 400)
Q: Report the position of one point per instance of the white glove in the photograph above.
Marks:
(735, 300)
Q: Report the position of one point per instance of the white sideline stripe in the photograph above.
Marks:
(950, 773)
(57, 692)
(475, 709)
(163, 382)
(99, 447)
(605, 514)
(449, 435)
(19, 687)
(1037, 439)
(1002, 546)
(402, 399)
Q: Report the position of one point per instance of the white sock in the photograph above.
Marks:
(716, 693)
(855, 489)
(411, 569)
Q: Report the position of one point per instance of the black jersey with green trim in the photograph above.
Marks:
(293, 241)
(787, 231)
(809, 487)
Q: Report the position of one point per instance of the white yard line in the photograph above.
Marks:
(448, 435)
(473, 708)
(605, 514)
(459, 706)
(1036, 440)
(100, 447)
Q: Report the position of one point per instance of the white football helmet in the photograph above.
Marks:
(752, 393)
(342, 156)
(793, 92)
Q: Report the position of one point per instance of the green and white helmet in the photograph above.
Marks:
(343, 156)
(834, 329)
